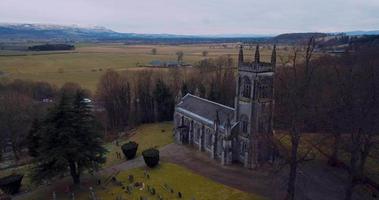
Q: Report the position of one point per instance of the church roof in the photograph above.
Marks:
(204, 110)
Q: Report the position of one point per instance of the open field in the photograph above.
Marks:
(88, 62)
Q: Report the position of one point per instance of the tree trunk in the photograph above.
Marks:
(74, 173)
(15, 151)
(293, 168)
(353, 170)
(349, 189)
(333, 160)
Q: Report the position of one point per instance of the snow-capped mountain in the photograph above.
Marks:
(55, 32)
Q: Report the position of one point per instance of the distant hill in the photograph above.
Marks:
(54, 32)
(70, 34)
(297, 37)
(44, 33)
(356, 33)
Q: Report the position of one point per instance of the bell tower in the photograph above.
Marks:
(254, 103)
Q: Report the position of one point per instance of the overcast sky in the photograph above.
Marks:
(199, 16)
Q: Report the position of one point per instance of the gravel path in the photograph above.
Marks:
(315, 179)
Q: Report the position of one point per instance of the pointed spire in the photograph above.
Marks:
(273, 56)
(240, 55)
(257, 54)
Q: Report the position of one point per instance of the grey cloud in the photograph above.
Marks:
(199, 16)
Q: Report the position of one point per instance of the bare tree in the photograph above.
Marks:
(359, 90)
(114, 94)
(154, 51)
(179, 56)
(16, 118)
(293, 96)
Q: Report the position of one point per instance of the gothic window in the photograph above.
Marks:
(209, 138)
(246, 90)
(197, 133)
(219, 146)
(177, 120)
(265, 88)
(244, 124)
(242, 148)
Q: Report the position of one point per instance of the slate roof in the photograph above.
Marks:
(204, 110)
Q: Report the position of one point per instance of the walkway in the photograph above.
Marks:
(315, 179)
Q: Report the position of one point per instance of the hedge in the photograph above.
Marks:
(11, 184)
(151, 157)
(129, 149)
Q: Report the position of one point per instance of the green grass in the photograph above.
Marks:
(147, 136)
(177, 178)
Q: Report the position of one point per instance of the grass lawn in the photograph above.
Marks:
(147, 136)
(190, 185)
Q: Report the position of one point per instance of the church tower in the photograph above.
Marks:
(254, 103)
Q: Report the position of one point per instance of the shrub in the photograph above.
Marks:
(129, 149)
(151, 157)
(11, 184)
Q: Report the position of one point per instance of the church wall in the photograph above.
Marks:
(201, 136)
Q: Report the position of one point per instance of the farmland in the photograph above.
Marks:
(88, 62)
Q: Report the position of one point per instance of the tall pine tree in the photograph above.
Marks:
(70, 139)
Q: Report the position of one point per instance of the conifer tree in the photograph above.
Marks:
(70, 139)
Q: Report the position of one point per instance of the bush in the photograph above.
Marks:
(129, 149)
(11, 184)
(151, 157)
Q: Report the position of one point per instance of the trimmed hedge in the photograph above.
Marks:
(129, 149)
(11, 184)
(151, 157)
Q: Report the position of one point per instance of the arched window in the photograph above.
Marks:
(209, 138)
(246, 90)
(242, 148)
(244, 123)
(197, 133)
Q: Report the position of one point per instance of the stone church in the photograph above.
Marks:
(233, 135)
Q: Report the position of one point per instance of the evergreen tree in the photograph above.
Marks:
(70, 139)
(34, 137)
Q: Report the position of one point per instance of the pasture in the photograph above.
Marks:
(88, 62)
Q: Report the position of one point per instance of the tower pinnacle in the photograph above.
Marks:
(240, 55)
(257, 54)
(273, 56)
